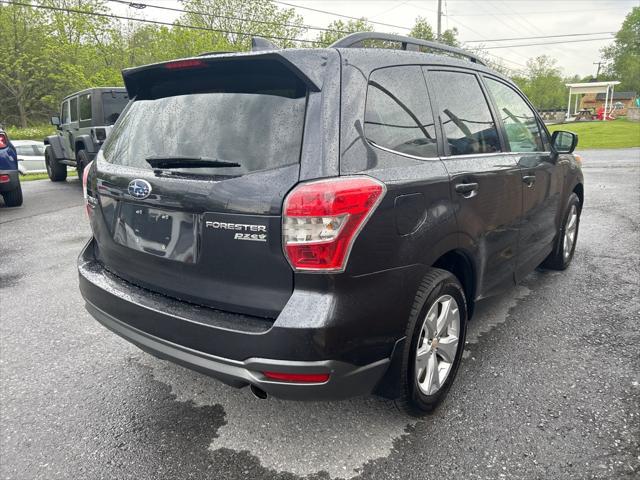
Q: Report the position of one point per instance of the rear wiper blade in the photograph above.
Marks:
(188, 162)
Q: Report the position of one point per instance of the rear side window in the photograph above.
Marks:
(112, 105)
(250, 120)
(85, 107)
(464, 112)
(398, 114)
(73, 105)
(520, 123)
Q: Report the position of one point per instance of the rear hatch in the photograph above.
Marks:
(191, 181)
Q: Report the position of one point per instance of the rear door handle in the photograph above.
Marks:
(467, 190)
(529, 180)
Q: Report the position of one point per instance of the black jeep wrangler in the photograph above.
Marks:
(319, 223)
(85, 120)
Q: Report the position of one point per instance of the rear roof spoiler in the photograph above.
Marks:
(137, 78)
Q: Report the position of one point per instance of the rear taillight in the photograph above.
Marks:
(87, 200)
(322, 219)
(4, 141)
(5, 178)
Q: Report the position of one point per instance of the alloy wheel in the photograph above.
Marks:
(570, 232)
(437, 344)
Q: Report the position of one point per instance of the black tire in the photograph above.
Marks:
(82, 160)
(13, 198)
(57, 171)
(557, 260)
(436, 283)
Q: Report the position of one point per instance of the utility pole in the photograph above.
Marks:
(439, 20)
(598, 72)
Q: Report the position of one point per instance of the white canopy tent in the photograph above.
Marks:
(592, 87)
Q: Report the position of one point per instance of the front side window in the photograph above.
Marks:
(520, 123)
(65, 112)
(73, 105)
(85, 107)
(464, 112)
(397, 114)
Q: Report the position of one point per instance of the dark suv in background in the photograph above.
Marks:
(319, 223)
(85, 120)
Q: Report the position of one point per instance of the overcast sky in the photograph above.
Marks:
(475, 20)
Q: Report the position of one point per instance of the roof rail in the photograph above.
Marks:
(408, 43)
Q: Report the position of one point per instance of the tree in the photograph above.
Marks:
(422, 29)
(338, 29)
(258, 17)
(542, 82)
(623, 57)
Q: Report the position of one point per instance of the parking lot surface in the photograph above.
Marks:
(548, 388)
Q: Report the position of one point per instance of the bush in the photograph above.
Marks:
(37, 132)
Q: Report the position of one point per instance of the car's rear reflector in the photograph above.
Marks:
(297, 377)
(4, 178)
(321, 220)
(181, 64)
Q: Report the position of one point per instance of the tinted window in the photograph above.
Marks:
(468, 125)
(112, 105)
(520, 124)
(85, 107)
(256, 128)
(398, 114)
(65, 112)
(73, 105)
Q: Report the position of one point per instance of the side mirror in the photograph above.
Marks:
(55, 121)
(563, 141)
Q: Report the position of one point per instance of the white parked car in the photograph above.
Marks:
(30, 156)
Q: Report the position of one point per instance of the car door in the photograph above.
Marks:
(84, 114)
(542, 176)
(74, 126)
(486, 184)
(63, 130)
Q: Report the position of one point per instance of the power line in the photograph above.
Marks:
(549, 43)
(543, 36)
(156, 22)
(139, 5)
(339, 15)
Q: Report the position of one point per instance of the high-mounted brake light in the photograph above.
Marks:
(3, 140)
(85, 194)
(297, 377)
(322, 219)
(181, 64)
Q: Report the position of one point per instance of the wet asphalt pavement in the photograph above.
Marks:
(548, 388)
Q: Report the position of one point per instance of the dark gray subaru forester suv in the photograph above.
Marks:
(318, 223)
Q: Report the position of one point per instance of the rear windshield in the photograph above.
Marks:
(112, 105)
(257, 128)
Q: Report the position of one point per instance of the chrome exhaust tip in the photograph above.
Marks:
(258, 392)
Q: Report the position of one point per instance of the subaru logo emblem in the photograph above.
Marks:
(139, 188)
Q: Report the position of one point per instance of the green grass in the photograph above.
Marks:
(41, 176)
(619, 133)
(37, 132)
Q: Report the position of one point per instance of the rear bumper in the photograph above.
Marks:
(14, 180)
(235, 349)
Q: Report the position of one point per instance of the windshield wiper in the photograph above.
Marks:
(188, 162)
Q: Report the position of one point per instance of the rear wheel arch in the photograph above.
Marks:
(459, 263)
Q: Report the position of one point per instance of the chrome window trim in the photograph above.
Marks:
(408, 155)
